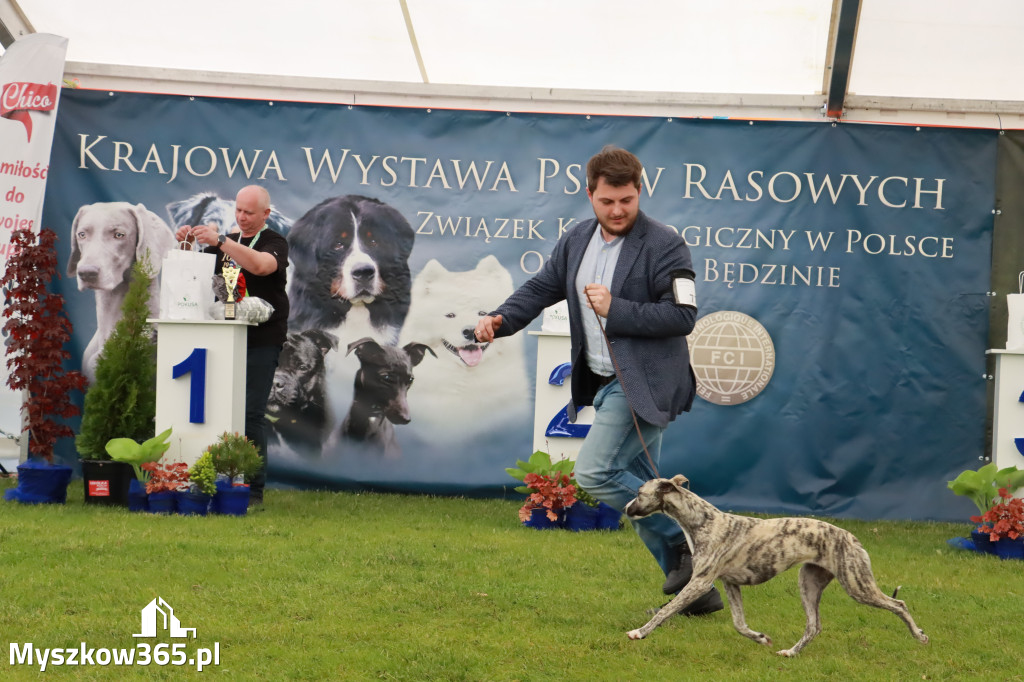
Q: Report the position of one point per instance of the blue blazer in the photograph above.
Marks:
(646, 328)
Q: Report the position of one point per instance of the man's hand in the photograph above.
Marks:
(598, 297)
(183, 233)
(203, 234)
(486, 328)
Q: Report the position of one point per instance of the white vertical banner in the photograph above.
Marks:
(30, 79)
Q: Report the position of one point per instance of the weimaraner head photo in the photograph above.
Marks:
(107, 239)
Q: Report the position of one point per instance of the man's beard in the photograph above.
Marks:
(618, 230)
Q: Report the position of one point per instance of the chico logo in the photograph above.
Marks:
(733, 357)
(17, 99)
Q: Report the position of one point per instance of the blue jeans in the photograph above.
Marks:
(260, 366)
(611, 466)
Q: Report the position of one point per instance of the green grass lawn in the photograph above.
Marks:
(344, 586)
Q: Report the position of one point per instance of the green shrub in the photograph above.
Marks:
(233, 454)
(121, 402)
(204, 474)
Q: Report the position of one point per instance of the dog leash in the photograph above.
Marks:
(618, 375)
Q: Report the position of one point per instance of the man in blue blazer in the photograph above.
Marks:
(621, 271)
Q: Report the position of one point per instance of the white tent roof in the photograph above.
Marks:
(907, 59)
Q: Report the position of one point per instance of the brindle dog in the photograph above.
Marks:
(739, 550)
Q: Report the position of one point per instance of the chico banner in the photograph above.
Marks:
(30, 75)
(846, 267)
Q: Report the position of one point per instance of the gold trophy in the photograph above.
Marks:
(230, 275)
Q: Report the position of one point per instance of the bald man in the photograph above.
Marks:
(262, 254)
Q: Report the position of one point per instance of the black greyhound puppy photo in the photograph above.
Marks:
(381, 387)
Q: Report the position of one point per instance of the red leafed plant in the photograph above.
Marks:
(1004, 519)
(37, 330)
(553, 492)
(166, 477)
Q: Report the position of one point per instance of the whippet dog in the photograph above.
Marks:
(739, 550)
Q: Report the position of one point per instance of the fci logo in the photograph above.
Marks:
(159, 613)
(733, 357)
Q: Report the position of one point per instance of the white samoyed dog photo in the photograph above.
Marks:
(471, 388)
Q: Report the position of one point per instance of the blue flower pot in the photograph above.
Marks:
(138, 500)
(163, 503)
(581, 516)
(608, 517)
(982, 543)
(197, 504)
(1006, 548)
(539, 519)
(231, 500)
(40, 483)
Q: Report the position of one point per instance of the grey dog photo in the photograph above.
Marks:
(740, 550)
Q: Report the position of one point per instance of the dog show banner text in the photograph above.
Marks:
(862, 251)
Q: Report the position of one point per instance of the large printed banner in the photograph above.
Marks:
(30, 77)
(841, 281)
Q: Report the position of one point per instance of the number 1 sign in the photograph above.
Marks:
(200, 385)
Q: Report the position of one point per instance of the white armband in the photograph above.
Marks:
(684, 288)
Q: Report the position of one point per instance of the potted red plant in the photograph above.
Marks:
(1004, 524)
(37, 330)
(165, 480)
(982, 486)
(585, 513)
(551, 495)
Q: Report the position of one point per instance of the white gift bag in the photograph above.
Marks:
(186, 284)
(1015, 320)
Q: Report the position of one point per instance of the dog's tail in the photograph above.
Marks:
(896, 591)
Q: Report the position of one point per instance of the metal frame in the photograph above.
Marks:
(843, 38)
(832, 104)
(13, 23)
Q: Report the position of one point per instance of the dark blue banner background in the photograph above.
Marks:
(877, 397)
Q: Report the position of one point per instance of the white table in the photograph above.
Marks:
(1008, 415)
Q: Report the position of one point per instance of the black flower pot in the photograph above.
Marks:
(107, 482)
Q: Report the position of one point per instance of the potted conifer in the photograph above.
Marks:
(37, 330)
(236, 460)
(121, 402)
